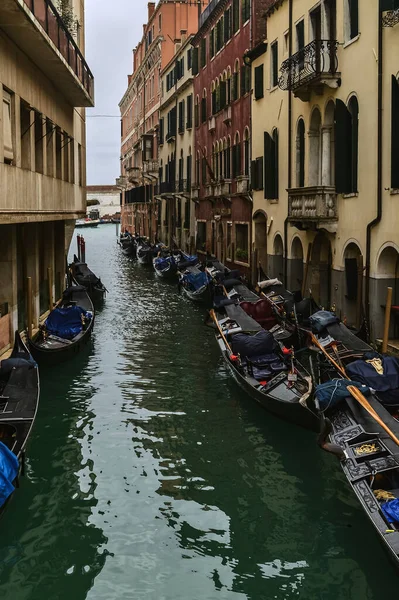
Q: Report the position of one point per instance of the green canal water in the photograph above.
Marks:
(150, 475)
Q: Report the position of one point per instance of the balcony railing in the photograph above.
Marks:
(151, 167)
(315, 64)
(13, 19)
(391, 18)
(133, 174)
(312, 206)
(139, 195)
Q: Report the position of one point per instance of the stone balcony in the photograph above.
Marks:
(133, 174)
(242, 184)
(313, 208)
(36, 27)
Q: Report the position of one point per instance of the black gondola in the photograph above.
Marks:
(368, 453)
(167, 264)
(196, 285)
(82, 275)
(67, 329)
(128, 246)
(259, 367)
(145, 252)
(19, 400)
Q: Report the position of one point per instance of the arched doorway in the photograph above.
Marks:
(352, 303)
(278, 258)
(296, 265)
(320, 276)
(260, 243)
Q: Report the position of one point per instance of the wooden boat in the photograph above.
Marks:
(127, 243)
(67, 329)
(145, 252)
(82, 275)
(167, 264)
(367, 443)
(259, 366)
(19, 400)
(196, 285)
(87, 223)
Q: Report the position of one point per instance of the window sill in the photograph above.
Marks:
(273, 89)
(242, 264)
(351, 195)
(394, 192)
(256, 98)
(272, 200)
(352, 41)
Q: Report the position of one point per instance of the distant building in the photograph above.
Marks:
(108, 197)
(176, 213)
(168, 24)
(44, 83)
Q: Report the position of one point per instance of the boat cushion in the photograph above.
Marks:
(321, 319)
(9, 467)
(333, 392)
(253, 345)
(66, 322)
(261, 311)
(196, 280)
(380, 373)
(7, 365)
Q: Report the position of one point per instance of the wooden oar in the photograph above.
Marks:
(213, 315)
(356, 393)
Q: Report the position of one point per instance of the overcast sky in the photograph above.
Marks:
(112, 31)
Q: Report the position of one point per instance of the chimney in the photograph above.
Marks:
(183, 35)
(151, 9)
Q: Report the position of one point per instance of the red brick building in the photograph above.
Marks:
(222, 96)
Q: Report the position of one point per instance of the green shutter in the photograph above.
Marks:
(259, 82)
(195, 61)
(268, 166)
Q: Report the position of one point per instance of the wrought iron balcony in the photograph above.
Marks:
(313, 207)
(36, 27)
(310, 69)
(391, 18)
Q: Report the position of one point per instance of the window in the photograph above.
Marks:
(203, 53)
(189, 58)
(352, 19)
(270, 155)
(227, 25)
(39, 144)
(197, 114)
(201, 235)
(204, 171)
(50, 133)
(187, 217)
(212, 43)
(257, 173)
(246, 10)
(300, 154)
(274, 65)
(8, 128)
(228, 160)
(189, 123)
(161, 131)
(246, 153)
(171, 124)
(195, 69)
(219, 34)
(236, 82)
(259, 82)
(237, 169)
(189, 166)
(242, 243)
(236, 15)
(346, 146)
(181, 116)
(58, 153)
(300, 42)
(26, 137)
(245, 79)
(203, 108)
(160, 22)
(229, 241)
(395, 134)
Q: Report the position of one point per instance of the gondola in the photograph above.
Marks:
(266, 371)
(82, 275)
(196, 284)
(145, 252)
(128, 245)
(167, 264)
(67, 328)
(363, 441)
(19, 400)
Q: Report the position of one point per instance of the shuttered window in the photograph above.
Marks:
(203, 110)
(212, 43)
(353, 6)
(395, 134)
(236, 15)
(227, 25)
(271, 165)
(259, 82)
(257, 174)
(195, 69)
(246, 9)
(274, 65)
(161, 131)
(346, 146)
(189, 167)
(203, 52)
(7, 127)
(181, 116)
(189, 123)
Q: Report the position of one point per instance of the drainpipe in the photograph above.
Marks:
(289, 147)
(377, 219)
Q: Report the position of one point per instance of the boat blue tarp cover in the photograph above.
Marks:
(164, 263)
(379, 372)
(247, 345)
(197, 280)
(333, 392)
(9, 467)
(391, 510)
(65, 322)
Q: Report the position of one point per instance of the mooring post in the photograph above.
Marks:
(83, 248)
(29, 306)
(50, 288)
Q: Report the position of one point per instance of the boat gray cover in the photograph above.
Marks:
(247, 323)
(243, 292)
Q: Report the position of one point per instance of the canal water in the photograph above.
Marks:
(150, 475)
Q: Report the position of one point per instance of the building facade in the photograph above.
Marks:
(108, 197)
(222, 109)
(176, 209)
(168, 23)
(44, 83)
(326, 156)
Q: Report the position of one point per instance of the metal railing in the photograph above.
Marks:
(391, 18)
(317, 58)
(47, 15)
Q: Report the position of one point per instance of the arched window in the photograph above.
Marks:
(197, 168)
(196, 112)
(271, 158)
(228, 86)
(228, 159)
(204, 112)
(237, 167)
(346, 146)
(300, 154)
(235, 92)
(353, 108)
(221, 172)
(246, 152)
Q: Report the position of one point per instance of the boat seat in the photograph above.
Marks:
(261, 311)
(265, 366)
